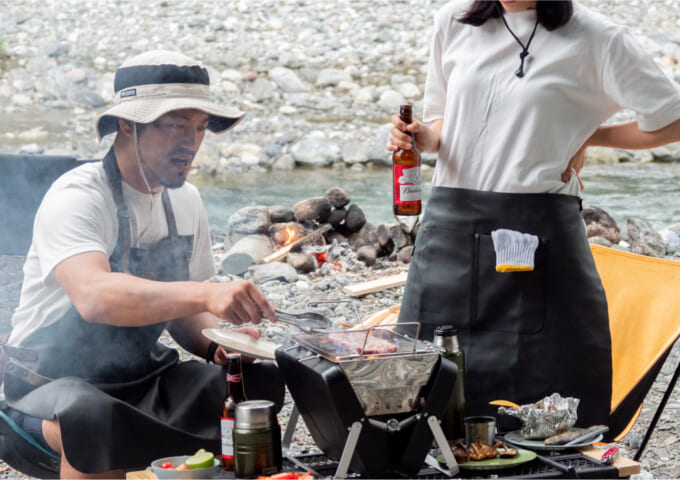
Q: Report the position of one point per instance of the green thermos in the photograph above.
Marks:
(257, 439)
(453, 421)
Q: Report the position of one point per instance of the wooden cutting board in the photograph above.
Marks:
(625, 466)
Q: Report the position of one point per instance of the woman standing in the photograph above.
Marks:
(515, 92)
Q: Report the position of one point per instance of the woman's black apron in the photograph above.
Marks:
(122, 398)
(525, 334)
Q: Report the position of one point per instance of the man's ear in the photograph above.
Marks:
(126, 127)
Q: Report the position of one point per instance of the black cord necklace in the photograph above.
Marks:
(525, 48)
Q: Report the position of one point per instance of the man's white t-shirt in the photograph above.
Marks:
(78, 215)
(507, 134)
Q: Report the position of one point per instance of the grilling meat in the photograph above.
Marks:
(480, 450)
(354, 342)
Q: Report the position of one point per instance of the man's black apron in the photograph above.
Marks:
(525, 334)
(122, 398)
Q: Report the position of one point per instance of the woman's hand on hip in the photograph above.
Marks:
(427, 137)
(575, 165)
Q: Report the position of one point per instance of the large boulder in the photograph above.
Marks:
(355, 218)
(643, 239)
(600, 224)
(316, 208)
(248, 251)
(248, 221)
(338, 197)
(273, 271)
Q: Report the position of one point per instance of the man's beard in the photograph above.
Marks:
(174, 180)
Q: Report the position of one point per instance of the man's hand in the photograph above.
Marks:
(238, 302)
(221, 353)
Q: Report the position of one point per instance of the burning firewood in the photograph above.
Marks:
(281, 253)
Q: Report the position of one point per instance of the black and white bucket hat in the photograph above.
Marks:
(156, 82)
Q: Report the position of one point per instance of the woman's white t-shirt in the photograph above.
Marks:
(78, 215)
(502, 133)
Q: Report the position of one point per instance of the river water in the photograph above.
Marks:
(647, 190)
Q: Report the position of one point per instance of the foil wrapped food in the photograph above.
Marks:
(547, 417)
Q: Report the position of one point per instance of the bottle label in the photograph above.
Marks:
(227, 428)
(407, 185)
(235, 378)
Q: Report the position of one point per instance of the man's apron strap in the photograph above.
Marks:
(124, 241)
(25, 374)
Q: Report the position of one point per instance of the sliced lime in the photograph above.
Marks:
(200, 459)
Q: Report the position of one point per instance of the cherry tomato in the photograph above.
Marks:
(167, 465)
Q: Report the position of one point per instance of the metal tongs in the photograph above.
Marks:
(308, 322)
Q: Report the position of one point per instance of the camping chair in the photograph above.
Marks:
(23, 183)
(644, 318)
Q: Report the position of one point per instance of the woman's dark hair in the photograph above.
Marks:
(551, 14)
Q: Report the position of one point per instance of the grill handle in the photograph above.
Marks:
(378, 327)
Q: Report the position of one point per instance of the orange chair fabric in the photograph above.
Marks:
(643, 295)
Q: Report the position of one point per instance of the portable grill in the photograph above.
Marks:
(371, 399)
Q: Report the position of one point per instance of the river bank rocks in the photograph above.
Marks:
(255, 234)
(637, 236)
(334, 228)
(318, 80)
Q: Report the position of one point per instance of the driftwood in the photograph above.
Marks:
(386, 316)
(282, 252)
(372, 286)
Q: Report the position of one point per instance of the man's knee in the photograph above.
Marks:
(52, 434)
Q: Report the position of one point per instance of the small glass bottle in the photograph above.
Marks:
(235, 396)
(406, 179)
(453, 421)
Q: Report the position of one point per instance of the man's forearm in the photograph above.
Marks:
(126, 301)
(187, 332)
(629, 136)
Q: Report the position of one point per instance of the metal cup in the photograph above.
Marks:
(480, 428)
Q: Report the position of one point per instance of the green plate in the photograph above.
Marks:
(522, 456)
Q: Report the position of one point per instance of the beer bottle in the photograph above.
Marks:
(453, 421)
(406, 179)
(235, 395)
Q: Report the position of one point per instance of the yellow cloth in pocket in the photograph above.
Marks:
(514, 268)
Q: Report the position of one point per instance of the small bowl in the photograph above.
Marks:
(207, 472)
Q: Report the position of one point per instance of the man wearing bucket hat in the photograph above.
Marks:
(120, 252)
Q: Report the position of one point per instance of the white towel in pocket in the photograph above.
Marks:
(515, 251)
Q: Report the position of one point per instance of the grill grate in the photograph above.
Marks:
(574, 465)
(353, 344)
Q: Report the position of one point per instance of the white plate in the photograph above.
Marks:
(515, 438)
(242, 343)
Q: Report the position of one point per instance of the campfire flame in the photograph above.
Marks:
(290, 231)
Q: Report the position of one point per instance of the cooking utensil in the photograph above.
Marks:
(308, 322)
(515, 438)
(588, 436)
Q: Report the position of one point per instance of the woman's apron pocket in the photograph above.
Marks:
(507, 301)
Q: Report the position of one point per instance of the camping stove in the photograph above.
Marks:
(371, 399)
